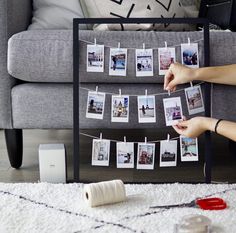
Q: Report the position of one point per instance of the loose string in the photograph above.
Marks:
(156, 94)
(155, 48)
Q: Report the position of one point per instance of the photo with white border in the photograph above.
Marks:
(173, 110)
(118, 62)
(101, 152)
(194, 100)
(144, 62)
(166, 56)
(95, 58)
(168, 153)
(189, 55)
(189, 149)
(146, 156)
(125, 154)
(95, 105)
(120, 108)
(146, 109)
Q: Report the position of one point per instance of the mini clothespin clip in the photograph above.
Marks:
(145, 140)
(118, 45)
(191, 84)
(189, 42)
(168, 137)
(124, 139)
(146, 93)
(100, 136)
(119, 92)
(144, 46)
(165, 44)
(96, 89)
(95, 41)
(169, 92)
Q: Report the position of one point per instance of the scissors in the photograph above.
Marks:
(213, 203)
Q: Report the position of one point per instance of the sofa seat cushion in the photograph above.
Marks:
(46, 55)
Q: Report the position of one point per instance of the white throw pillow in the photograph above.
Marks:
(55, 14)
(135, 8)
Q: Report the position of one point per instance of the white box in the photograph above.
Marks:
(52, 163)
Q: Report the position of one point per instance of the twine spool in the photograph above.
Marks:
(102, 193)
(194, 224)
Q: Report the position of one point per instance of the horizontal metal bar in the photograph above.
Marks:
(141, 20)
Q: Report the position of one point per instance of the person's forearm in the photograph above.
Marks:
(217, 74)
(224, 128)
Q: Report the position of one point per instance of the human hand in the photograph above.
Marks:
(194, 127)
(178, 74)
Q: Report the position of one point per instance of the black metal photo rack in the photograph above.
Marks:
(76, 102)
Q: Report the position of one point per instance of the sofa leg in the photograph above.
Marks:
(14, 142)
(232, 148)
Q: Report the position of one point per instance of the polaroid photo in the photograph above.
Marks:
(95, 58)
(173, 110)
(125, 154)
(101, 152)
(189, 55)
(166, 56)
(118, 62)
(194, 100)
(168, 153)
(144, 62)
(120, 108)
(146, 156)
(189, 149)
(95, 105)
(146, 109)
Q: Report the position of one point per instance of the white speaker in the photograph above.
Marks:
(52, 163)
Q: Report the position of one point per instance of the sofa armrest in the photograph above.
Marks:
(15, 16)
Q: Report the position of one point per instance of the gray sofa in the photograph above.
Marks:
(36, 75)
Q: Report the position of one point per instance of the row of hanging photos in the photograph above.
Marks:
(146, 107)
(144, 59)
(125, 152)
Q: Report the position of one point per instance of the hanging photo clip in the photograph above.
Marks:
(144, 47)
(191, 84)
(100, 136)
(124, 139)
(96, 89)
(120, 92)
(145, 140)
(146, 92)
(189, 42)
(95, 41)
(166, 45)
(168, 138)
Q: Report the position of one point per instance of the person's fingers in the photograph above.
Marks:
(184, 118)
(183, 124)
(178, 130)
(171, 85)
(168, 78)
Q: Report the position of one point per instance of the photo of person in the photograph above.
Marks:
(168, 153)
(146, 109)
(100, 152)
(125, 155)
(146, 156)
(194, 100)
(173, 110)
(189, 149)
(95, 105)
(95, 58)
(144, 62)
(166, 56)
(189, 55)
(118, 60)
(120, 109)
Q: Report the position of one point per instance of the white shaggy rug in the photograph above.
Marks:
(60, 208)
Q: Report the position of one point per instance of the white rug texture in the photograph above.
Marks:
(60, 208)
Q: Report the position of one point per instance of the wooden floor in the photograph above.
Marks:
(224, 165)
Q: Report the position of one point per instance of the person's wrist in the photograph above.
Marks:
(209, 123)
(195, 74)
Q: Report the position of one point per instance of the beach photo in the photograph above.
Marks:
(189, 55)
(168, 153)
(118, 60)
(144, 62)
(120, 109)
(100, 152)
(189, 149)
(166, 56)
(146, 156)
(125, 154)
(95, 58)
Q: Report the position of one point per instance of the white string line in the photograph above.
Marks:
(112, 140)
(155, 48)
(157, 94)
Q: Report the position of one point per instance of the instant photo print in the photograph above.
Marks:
(120, 109)
(100, 152)
(194, 100)
(144, 62)
(125, 155)
(189, 149)
(189, 55)
(95, 105)
(95, 58)
(118, 62)
(166, 56)
(168, 153)
(173, 110)
(146, 156)
(146, 109)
